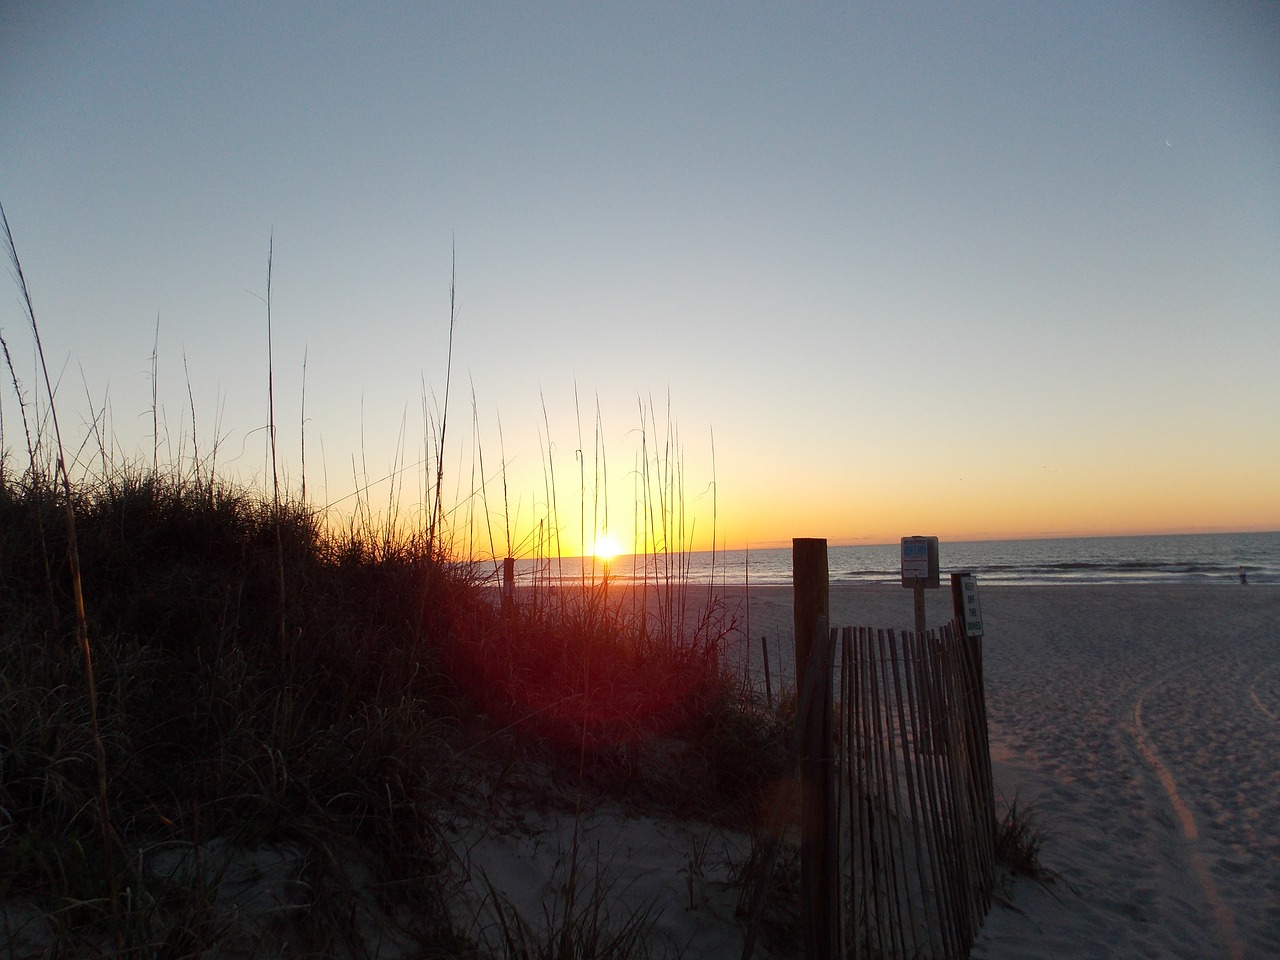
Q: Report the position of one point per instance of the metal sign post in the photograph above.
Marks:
(920, 572)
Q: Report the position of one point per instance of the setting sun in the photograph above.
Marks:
(606, 547)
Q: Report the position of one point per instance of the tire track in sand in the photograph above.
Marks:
(1191, 833)
(1258, 703)
(1257, 700)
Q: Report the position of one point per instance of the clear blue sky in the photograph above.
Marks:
(977, 270)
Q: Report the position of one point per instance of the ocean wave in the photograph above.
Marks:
(1201, 558)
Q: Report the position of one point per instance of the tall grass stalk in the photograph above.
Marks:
(580, 455)
(484, 480)
(36, 482)
(155, 404)
(444, 415)
(506, 499)
(97, 417)
(302, 424)
(73, 554)
(554, 548)
(601, 522)
(191, 403)
(275, 470)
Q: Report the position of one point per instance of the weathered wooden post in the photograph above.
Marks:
(811, 608)
(968, 612)
(768, 678)
(508, 584)
(811, 593)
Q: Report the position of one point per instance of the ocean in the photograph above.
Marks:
(1184, 558)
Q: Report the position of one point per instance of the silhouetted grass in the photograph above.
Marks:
(356, 736)
(581, 921)
(195, 675)
(206, 733)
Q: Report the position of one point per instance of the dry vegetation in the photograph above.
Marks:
(204, 687)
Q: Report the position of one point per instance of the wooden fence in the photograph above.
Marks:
(913, 793)
(898, 842)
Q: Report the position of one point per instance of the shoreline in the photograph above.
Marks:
(737, 587)
(1195, 558)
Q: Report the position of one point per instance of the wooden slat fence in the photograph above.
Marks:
(913, 793)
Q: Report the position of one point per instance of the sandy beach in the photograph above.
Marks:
(1142, 723)
(1145, 725)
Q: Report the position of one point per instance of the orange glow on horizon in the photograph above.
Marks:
(1102, 492)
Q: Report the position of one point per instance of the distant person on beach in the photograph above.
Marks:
(1243, 578)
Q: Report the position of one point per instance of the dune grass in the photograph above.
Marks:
(355, 736)
(1020, 837)
(197, 675)
(582, 920)
(206, 730)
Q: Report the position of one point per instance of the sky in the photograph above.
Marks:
(762, 271)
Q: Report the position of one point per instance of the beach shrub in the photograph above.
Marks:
(587, 670)
(582, 922)
(1019, 839)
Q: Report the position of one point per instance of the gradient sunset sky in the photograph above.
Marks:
(974, 270)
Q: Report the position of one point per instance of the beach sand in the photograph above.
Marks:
(1142, 724)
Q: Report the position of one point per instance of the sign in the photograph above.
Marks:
(920, 562)
(965, 589)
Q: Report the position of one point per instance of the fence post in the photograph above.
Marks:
(811, 595)
(811, 603)
(508, 583)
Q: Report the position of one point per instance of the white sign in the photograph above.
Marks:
(915, 558)
(971, 607)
